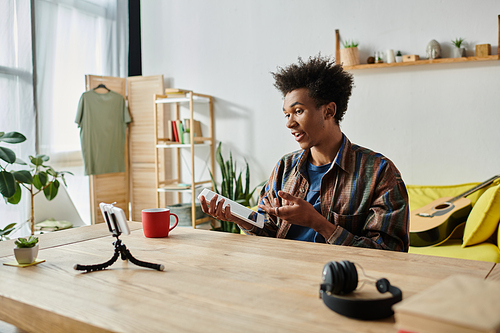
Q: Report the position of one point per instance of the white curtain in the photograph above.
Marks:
(17, 112)
(74, 38)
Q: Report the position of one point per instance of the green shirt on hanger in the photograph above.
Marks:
(103, 120)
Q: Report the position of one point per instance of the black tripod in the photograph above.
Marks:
(120, 249)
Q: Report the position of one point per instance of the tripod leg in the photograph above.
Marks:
(158, 267)
(97, 267)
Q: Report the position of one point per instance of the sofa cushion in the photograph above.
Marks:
(484, 217)
(498, 236)
(452, 248)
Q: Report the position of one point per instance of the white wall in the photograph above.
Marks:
(438, 123)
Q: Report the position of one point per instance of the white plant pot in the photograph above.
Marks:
(26, 255)
(458, 52)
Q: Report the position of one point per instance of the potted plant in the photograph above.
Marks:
(459, 50)
(26, 250)
(38, 178)
(399, 57)
(232, 187)
(349, 55)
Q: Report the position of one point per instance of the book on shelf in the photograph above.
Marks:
(180, 131)
(169, 134)
(459, 304)
(195, 127)
(176, 129)
(175, 136)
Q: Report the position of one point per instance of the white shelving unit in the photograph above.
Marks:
(178, 98)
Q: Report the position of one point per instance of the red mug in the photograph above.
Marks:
(156, 222)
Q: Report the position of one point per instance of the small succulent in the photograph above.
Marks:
(348, 44)
(458, 42)
(23, 242)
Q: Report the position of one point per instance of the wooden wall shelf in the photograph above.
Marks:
(418, 62)
(424, 62)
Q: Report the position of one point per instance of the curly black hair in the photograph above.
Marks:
(327, 82)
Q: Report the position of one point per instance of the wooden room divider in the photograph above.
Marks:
(134, 189)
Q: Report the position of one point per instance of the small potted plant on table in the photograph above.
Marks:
(26, 250)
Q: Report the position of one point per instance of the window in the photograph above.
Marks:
(72, 38)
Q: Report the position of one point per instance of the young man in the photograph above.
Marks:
(330, 191)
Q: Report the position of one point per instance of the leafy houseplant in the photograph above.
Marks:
(31, 241)
(37, 178)
(349, 44)
(349, 55)
(232, 186)
(459, 50)
(26, 250)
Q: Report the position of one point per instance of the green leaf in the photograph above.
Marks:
(51, 190)
(23, 176)
(7, 155)
(214, 184)
(247, 179)
(51, 172)
(40, 180)
(20, 161)
(16, 198)
(7, 184)
(12, 137)
(7, 230)
(240, 191)
(37, 161)
(44, 158)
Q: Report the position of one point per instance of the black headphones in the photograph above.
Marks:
(341, 278)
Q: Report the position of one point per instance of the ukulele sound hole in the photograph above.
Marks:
(442, 206)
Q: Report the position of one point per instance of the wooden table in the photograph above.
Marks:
(213, 282)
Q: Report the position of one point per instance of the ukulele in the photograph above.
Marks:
(434, 223)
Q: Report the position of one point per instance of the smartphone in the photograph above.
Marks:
(115, 219)
(237, 210)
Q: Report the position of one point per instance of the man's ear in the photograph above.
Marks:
(330, 110)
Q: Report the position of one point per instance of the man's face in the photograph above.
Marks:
(306, 122)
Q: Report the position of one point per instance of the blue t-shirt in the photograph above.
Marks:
(314, 175)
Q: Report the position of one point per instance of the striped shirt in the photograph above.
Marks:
(362, 193)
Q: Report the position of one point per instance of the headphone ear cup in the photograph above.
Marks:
(383, 285)
(328, 277)
(351, 276)
(338, 278)
(344, 277)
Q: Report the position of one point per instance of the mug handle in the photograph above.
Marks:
(176, 221)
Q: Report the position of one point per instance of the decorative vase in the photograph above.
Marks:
(349, 56)
(26, 255)
(458, 52)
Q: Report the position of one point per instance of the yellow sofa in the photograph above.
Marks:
(479, 238)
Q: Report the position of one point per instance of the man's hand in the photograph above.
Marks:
(216, 210)
(300, 212)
